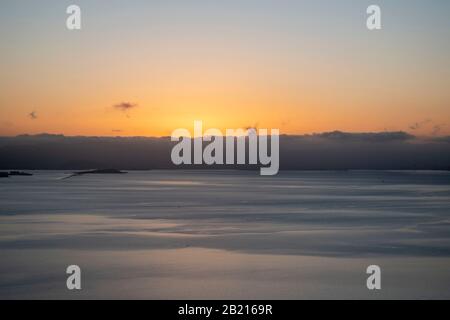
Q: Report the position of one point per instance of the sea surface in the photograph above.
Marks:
(226, 235)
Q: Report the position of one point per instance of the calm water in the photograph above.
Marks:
(226, 234)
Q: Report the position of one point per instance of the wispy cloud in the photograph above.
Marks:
(125, 106)
(420, 124)
(437, 129)
(252, 127)
(33, 115)
(429, 126)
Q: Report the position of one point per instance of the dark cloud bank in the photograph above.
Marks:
(325, 151)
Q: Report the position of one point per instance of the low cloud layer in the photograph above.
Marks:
(427, 126)
(324, 151)
(367, 136)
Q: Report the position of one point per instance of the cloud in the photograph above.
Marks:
(428, 126)
(445, 139)
(437, 129)
(322, 151)
(33, 115)
(365, 136)
(419, 125)
(125, 106)
(253, 128)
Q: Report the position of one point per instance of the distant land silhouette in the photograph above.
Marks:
(325, 151)
(95, 171)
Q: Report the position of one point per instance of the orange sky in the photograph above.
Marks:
(299, 77)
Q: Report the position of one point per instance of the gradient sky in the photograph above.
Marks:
(300, 66)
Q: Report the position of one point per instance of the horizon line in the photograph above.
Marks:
(311, 134)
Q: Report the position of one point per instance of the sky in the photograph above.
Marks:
(146, 68)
